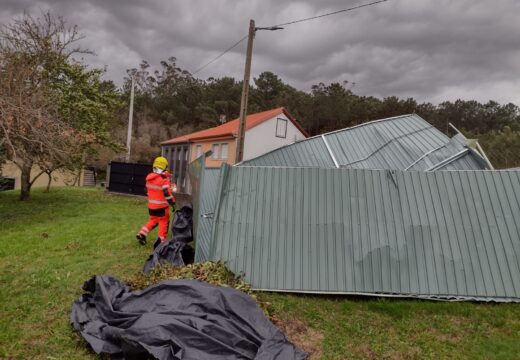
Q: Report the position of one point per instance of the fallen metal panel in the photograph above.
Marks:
(205, 188)
(330, 151)
(446, 235)
(402, 142)
(470, 161)
(307, 153)
(195, 174)
(208, 200)
(386, 144)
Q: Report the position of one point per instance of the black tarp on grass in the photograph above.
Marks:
(176, 319)
(175, 251)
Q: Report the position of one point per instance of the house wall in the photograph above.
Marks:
(262, 138)
(180, 155)
(207, 145)
(258, 140)
(59, 177)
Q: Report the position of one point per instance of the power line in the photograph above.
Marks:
(284, 24)
(220, 55)
(332, 13)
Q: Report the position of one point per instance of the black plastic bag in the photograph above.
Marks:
(172, 251)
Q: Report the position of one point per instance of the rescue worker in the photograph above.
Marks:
(160, 197)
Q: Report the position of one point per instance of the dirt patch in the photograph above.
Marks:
(365, 352)
(304, 337)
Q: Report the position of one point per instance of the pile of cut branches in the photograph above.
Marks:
(215, 273)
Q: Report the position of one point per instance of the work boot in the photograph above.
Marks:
(141, 238)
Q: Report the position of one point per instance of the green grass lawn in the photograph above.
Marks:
(51, 244)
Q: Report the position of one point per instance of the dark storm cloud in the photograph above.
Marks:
(432, 50)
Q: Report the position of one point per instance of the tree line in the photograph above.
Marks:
(56, 112)
(171, 102)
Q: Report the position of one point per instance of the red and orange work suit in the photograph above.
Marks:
(159, 188)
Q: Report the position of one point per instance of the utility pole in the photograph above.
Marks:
(245, 93)
(130, 121)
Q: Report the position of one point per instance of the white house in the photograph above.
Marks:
(265, 131)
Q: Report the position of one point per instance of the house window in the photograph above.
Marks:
(216, 153)
(198, 151)
(220, 151)
(223, 151)
(281, 128)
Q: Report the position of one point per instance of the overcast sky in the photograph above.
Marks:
(432, 50)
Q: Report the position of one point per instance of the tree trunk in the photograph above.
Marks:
(77, 178)
(25, 182)
(48, 188)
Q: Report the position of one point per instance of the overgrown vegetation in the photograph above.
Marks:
(52, 243)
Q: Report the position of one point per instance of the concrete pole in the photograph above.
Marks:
(130, 121)
(245, 93)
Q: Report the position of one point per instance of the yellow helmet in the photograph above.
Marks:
(160, 163)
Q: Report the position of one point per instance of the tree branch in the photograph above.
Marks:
(36, 177)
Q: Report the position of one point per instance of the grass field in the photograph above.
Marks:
(51, 244)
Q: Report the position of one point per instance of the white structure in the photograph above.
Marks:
(265, 131)
(271, 134)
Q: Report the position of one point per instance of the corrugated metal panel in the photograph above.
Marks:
(311, 152)
(405, 142)
(391, 144)
(205, 185)
(209, 190)
(447, 234)
(469, 161)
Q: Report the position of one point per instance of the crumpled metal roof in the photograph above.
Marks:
(440, 235)
(405, 142)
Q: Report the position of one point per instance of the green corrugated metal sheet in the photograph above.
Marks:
(210, 189)
(195, 174)
(205, 185)
(447, 235)
(398, 143)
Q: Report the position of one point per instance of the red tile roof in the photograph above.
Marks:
(230, 128)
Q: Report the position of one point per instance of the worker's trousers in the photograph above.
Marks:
(159, 217)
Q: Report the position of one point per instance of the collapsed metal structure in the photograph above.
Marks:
(409, 213)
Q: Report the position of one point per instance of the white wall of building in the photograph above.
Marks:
(262, 138)
(58, 177)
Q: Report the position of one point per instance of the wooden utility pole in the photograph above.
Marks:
(245, 93)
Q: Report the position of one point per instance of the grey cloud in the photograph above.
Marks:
(432, 50)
